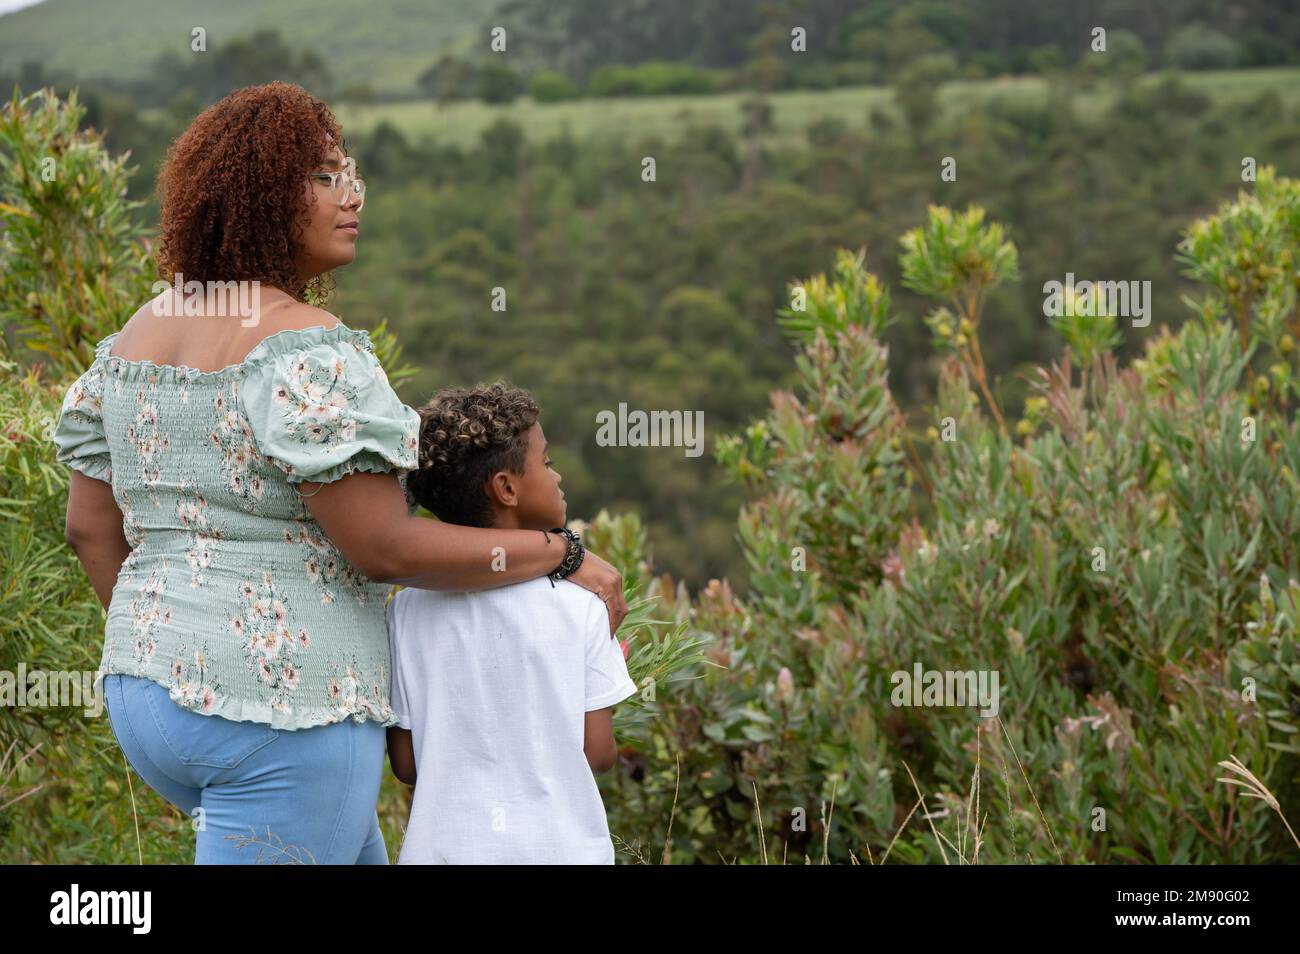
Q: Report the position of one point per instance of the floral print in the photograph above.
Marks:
(316, 395)
(233, 438)
(192, 684)
(151, 443)
(349, 693)
(85, 448)
(83, 397)
(149, 612)
(312, 400)
(203, 541)
(232, 595)
(324, 564)
(269, 646)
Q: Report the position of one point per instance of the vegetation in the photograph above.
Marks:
(1128, 569)
(628, 47)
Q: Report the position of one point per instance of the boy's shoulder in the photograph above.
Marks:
(526, 597)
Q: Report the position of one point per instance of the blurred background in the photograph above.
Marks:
(521, 169)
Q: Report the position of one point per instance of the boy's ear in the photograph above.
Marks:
(501, 489)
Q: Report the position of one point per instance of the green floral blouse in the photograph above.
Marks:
(232, 596)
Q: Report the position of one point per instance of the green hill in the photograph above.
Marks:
(386, 43)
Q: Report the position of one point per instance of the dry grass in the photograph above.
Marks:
(970, 823)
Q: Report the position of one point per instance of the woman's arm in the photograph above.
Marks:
(365, 516)
(93, 528)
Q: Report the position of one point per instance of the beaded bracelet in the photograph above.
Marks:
(573, 554)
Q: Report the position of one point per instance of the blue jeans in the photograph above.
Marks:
(256, 794)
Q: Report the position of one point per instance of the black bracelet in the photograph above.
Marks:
(573, 555)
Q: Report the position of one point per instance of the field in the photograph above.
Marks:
(461, 123)
(386, 44)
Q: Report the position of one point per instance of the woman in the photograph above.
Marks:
(237, 506)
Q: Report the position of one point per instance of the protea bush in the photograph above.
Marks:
(1124, 557)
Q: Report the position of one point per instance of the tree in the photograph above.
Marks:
(498, 83)
(448, 80)
(1198, 47)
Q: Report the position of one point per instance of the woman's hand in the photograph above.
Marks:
(597, 575)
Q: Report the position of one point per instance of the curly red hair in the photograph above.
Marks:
(232, 189)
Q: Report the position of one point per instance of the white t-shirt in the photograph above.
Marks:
(494, 686)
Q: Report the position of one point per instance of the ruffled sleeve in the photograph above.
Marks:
(79, 437)
(320, 406)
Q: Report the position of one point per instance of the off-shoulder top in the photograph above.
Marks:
(232, 596)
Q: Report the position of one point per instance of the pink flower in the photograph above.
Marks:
(891, 568)
(622, 644)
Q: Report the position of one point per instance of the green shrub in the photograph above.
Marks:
(1198, 47)
(1125, 54)
(498, 83)
(1127, 567)
(69, 801)
(656, 78)
(74, 259)
(552, 86)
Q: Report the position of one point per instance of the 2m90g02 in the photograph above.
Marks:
(1195, 895)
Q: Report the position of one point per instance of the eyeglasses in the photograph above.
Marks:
(345, 183)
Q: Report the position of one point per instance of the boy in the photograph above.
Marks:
(503, 696)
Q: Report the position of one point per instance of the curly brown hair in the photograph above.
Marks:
(466, 435)
(232, 189)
